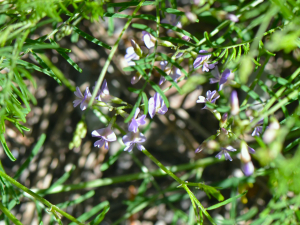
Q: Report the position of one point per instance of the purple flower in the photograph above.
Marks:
(234, 103)
(83, 99)
(148, 39)
(222, 79)
(209, 98)
(258, 128)
(106, 135)
(136, 78)
(199, 149)
(157, 104)
(225, 152)
(248, 168)
(202, 59)
(131, 138)
(232, 17)
(136, 122)
(131, 55)
(103, 93)
(251, 150)
(174, 74)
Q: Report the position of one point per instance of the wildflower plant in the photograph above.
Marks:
(251, 48)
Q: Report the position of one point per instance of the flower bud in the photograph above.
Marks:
(200, 148)
(186, 38)
(248, 168)
(234, 103)
(137, 48)
(165, 43)
(136, 78)
(245, 156)
(271, 132)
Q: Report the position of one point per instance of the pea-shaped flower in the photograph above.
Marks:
(221, 78)
(148, 39)
(83, 99)
(157, 104)
(136, 121)
(131, 139)
(203, 59)
(210, 97)
(106, 135)
(174, 74)
(224, 151)
(131, 55)
(103, 93)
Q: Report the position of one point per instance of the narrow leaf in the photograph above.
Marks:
(35, 150)
(66, 57)
(145, 99)
(157, 88)
(90, 38)
(137, 104)
(226, 201)
(174, 11)
(168, 78)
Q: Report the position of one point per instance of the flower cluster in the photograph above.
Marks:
(156, 103)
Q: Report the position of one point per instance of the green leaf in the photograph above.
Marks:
(76, 201)
(119, 15)
(291, 145)
(100, 217)
(145, 99)
(111, 160)
(174, 11)
(66, 57)
(35, 150)
(85, 216)
(169, 26)
(157, 89)
(6, 149)
(145, 28)
(226, 201)
(90, 38)
(137, 104)
(134, 90)
(211, 191)
(177, 40)
(61, 180)
(251, 93)
(137, 67)
(173, 62)
(168, 78)
(45, 66)
(124, 4)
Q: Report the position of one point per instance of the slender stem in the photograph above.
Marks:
(9, 215)
(111, 54)
(162, 167)
(126, 178)
(280, 91)
(52, 207)
(256, 79)
(191, 194)
(182, 184)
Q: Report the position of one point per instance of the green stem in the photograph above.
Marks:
(52, 207)
(126, 178)
(111, 54)
(198, 203)
(280, 91)
(182, 184)
(158, 163)
(256, 79)
(9, 215)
